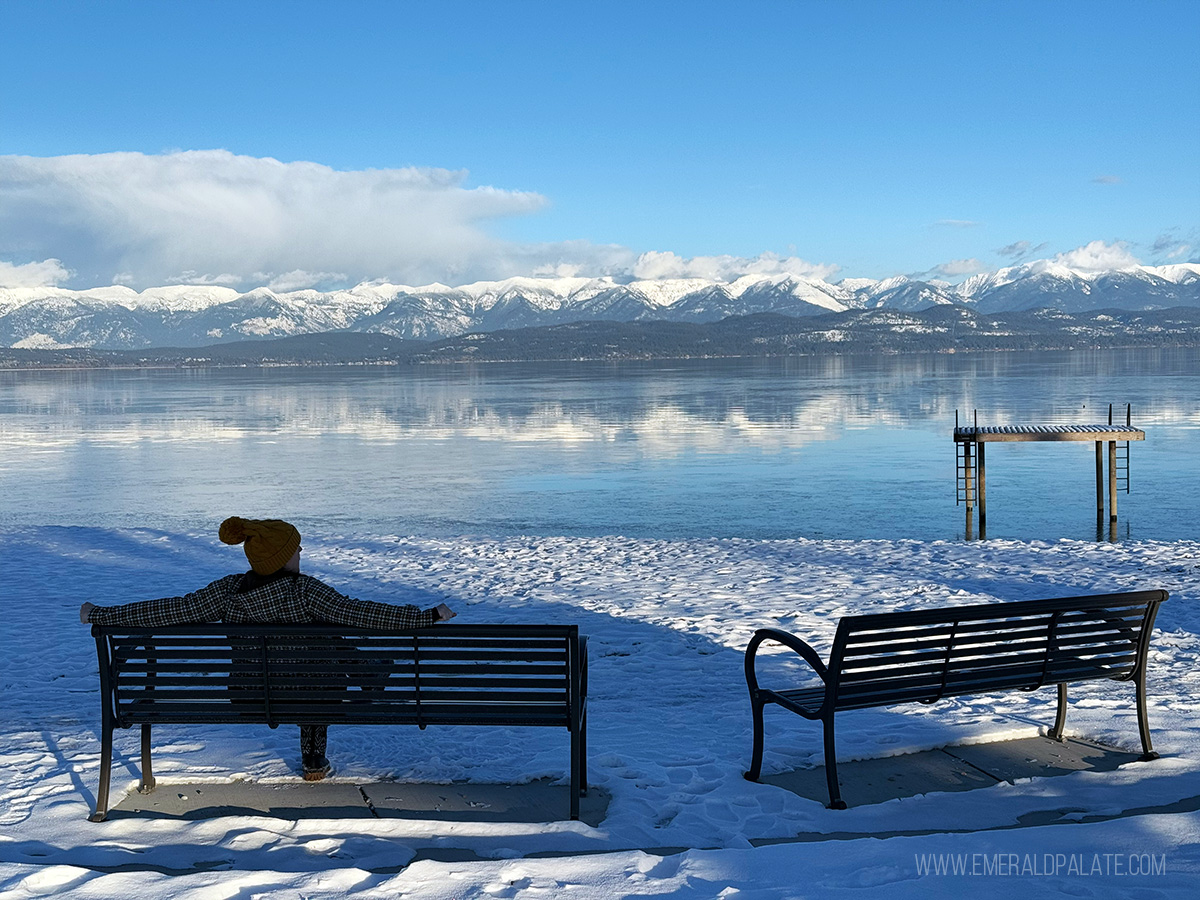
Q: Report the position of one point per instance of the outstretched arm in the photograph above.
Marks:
(327, 605)
(204, 605)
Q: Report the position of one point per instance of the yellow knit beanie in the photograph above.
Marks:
(269, 543)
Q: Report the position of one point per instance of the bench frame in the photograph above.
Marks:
(502, 675)
(924, 655)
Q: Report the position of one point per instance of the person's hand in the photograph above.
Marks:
(445, 613)
(84, 611)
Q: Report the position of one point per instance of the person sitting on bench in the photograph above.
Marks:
(272, 592)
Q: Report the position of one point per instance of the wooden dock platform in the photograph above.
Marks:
(972, 439)
(1048, 433)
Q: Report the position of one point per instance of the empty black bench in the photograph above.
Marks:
(924, 655)
(274, 675)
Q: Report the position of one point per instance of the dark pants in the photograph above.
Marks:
(312, 740)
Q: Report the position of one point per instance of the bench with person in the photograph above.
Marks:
(274, 646)
(320, 675)
(924, 655)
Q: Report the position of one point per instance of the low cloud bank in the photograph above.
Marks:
(213, 217)
(1098, 257)
(47, 273)
(657, 265)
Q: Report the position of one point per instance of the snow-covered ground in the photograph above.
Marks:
(669, 729)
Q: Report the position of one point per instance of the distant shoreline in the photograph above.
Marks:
(433, 364)
(758, 336)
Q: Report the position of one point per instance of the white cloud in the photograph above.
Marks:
(1168, 246)
(658, 264)
(225, 279)
(957, 223)
(1106, 179)
(1021, 249)
(299, 279)
(145, 220)
(1098, 256)
(956, 268)
(563, 259)
(47, 273)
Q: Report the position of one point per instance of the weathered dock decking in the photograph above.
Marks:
(972, 475)
(1050, 433)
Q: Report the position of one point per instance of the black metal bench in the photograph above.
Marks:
(925, 655)
(273, 675)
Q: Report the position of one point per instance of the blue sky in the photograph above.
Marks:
(860, 139)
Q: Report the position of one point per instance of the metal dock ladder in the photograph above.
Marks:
(1122, 457)
(964, 466)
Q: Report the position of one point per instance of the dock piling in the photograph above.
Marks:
(1112, 481)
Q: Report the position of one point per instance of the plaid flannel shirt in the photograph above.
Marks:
(286, 600)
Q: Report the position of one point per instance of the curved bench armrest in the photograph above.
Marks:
(788, 640)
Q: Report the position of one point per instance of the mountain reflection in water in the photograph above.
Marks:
(840, 447)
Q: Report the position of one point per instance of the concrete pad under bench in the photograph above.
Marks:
(864, 782)
(214, 800)
(537, 801)
(868, 781)
(1041, 757)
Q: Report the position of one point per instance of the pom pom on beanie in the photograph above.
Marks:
(269, 543)
(233, 530)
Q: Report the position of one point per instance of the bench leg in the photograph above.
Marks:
(148, 782)
(1143, 722)
(106, 746)
(756, 710)
(583, 782)
(576, 766)
(1060, 718)
(835, 793)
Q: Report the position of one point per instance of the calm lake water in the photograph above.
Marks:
(836, 448)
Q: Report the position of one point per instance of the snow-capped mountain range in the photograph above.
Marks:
(190, 316)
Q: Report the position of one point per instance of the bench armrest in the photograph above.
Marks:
(788, 640)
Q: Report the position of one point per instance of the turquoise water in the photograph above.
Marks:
(836, 448)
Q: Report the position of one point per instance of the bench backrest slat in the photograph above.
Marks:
(928, 654)
(500, 673)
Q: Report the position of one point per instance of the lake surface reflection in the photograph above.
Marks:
(839, 447)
